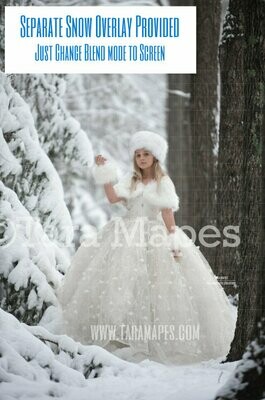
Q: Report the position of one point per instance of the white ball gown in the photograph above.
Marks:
(134, 289)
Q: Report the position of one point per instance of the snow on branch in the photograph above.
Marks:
(180, 93)
(31, 266)
(59, 133)
(40, 364)
(248, 379)
(26, 169)
(232, 27)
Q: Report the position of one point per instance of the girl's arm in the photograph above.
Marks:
(169, 220)
(106, 176)
(111, 194)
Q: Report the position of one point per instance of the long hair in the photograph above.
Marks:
(158, 173)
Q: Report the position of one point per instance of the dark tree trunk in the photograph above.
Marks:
(251, 247)
(261, 282)
(239, 172)
(2, 35)
(230, 157)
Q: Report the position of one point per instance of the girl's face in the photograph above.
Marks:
(144, 158)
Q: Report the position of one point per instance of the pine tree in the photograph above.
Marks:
(31, 267)
(33, 214)
(63, 140)
(60, 135)
(26, 169)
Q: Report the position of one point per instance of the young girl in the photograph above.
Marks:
(142, 289)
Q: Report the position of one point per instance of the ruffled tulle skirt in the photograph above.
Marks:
(139, 302)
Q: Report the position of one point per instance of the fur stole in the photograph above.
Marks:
(161, 195)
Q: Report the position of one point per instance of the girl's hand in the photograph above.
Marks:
(100, 160)
(177, 254)
(173, 242)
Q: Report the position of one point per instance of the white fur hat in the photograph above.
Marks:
(150, 141)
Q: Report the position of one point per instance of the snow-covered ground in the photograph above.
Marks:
(36, 364)
(157, 381)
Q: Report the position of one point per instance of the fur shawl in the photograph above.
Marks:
(162, 195)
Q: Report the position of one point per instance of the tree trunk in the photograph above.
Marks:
(240, 173)
(2, 35)
(203, 120)
(230, 157)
